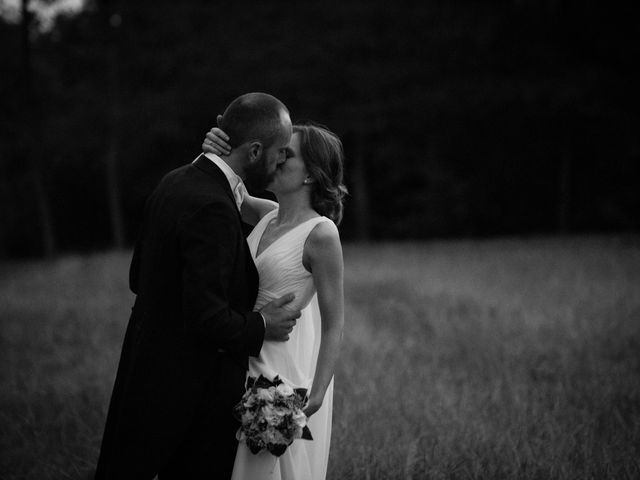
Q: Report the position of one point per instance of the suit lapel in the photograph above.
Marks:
(207, 166)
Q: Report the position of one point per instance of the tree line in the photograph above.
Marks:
(458, 118)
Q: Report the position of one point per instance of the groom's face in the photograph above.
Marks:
(260, 173)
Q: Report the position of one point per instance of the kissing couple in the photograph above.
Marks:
(214, 307)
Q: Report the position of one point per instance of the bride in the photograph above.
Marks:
(296, 248)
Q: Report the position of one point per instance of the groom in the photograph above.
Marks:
(192, 328)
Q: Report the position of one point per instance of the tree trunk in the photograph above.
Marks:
(33, 147)
(360, 193)
(114, 196)
(564, 194)
(44, 207)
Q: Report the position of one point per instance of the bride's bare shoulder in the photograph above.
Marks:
(323, 243)
(324, 232)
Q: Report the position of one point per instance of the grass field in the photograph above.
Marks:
(467, 359)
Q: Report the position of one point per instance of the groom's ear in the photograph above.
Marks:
(255, 151)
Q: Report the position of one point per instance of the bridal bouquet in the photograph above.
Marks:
(271, 415)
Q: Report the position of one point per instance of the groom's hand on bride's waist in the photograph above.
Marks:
(278, 321)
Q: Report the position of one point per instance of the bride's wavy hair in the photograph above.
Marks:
(323, 156)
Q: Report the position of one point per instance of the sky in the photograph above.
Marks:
(46, 12)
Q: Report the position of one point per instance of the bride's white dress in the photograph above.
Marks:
(281, 271)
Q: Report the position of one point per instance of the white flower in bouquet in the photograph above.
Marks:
(284, 390)
(300, 419)
(264, 394)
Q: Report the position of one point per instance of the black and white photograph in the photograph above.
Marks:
(324, 240)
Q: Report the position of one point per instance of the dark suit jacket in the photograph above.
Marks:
(191, 328)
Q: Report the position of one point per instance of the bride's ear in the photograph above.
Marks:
(308, 181)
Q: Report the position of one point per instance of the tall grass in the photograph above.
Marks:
(469, 359)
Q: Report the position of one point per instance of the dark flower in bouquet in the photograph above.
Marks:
(271, 415)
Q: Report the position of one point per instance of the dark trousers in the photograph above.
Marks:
(210, 444)
(206, 453)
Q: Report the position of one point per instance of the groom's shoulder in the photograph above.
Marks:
(177, 174)
(189, 179)
(188, 187)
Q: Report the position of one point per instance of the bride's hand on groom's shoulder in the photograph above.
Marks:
(215, 142)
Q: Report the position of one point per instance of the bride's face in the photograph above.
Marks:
(291, 174)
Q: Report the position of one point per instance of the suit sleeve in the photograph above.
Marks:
(134, 269)
(208, 251)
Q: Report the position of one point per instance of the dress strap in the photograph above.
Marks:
(306, 228)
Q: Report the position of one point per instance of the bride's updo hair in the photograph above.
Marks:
(323, 156)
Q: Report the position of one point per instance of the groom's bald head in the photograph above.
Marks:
(255, 117)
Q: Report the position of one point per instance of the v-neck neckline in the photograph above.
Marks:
(264, 229)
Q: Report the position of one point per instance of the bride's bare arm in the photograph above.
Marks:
(253, 208)
(323, 258)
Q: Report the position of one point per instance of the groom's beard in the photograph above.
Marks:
(258, 175)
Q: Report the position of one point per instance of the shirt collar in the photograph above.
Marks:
(233, 179)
